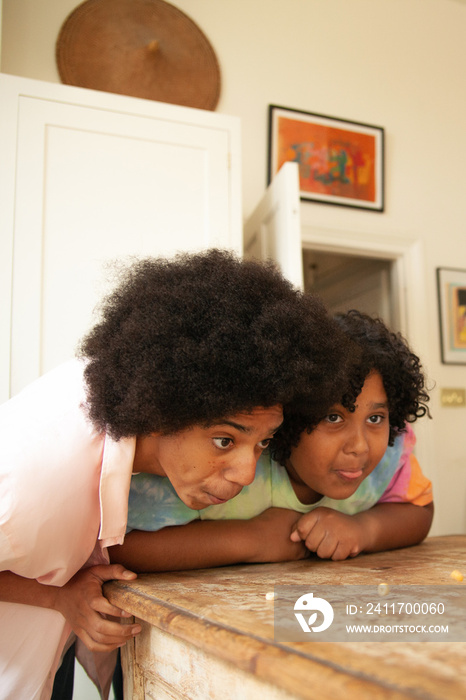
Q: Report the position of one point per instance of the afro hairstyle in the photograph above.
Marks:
(199, 337)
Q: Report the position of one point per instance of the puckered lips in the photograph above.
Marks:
(217, 500)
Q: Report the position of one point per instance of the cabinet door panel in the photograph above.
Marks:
(96, 182)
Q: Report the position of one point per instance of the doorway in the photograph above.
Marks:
(345, 281)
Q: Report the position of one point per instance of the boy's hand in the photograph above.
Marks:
(330, 534)
(272, 530)
(83, 605)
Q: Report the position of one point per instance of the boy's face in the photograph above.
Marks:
(210, 465)
(344, 448)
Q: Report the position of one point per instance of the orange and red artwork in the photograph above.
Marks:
(339, 162)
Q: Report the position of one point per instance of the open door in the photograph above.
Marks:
(273, 231)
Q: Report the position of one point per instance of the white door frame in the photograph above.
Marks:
(406, 255)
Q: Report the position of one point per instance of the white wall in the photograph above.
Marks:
(399, 64)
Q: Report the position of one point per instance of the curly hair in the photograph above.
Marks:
(384, 351)
(389, 354)
(197, 338)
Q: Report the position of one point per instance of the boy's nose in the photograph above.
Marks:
(243, 469)
(357, 443)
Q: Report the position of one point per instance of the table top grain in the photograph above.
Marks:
(224, 612)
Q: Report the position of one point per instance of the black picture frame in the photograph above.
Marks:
(451, 292)
(341, 162)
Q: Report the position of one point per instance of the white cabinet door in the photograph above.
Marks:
(273, 231)
(89, 177)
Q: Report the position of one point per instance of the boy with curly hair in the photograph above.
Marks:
(350, 472)
(187, 376)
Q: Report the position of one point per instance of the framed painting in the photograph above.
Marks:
(340, 162)
(451, 286)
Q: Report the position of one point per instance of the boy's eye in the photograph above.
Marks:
(376, 420)
(223, 443)
(333, 418)
(263, 444)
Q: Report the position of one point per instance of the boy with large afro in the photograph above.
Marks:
(187, 374)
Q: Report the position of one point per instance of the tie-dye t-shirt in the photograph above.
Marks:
(154, 504)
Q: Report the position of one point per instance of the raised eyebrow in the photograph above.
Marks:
(275, 430)
(376, 406)
(244, 428)
(238, 426)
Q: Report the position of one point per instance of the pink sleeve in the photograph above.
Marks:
(408, 485)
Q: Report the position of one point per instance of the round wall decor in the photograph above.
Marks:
(142, 48)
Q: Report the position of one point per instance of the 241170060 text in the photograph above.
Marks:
(399, 608)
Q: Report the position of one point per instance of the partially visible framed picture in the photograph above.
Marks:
(340, 162)
(451, 285)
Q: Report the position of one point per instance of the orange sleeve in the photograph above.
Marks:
(420, 487)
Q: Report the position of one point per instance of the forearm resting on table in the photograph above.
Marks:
(198, 545)
(203, 544)
(16, 589)
(394, 525)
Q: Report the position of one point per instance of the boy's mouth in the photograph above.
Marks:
(217, 500)
(349, 475)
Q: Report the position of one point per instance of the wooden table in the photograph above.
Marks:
(209, 634)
